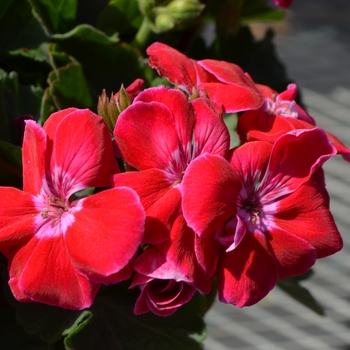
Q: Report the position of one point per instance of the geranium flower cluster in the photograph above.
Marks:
(187, 210)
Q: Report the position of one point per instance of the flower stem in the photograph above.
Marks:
(142, 35)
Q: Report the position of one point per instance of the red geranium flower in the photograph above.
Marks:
(163, 288)
(160, 134)
(278, 115)
(277, 219)
(222, 81)
(61, 248)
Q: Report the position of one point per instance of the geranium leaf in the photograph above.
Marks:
(9, 90)
(292, 287)
(114, 326)
(67, 88)
(120, 16)
(111, 64)
(55, 16)
(4, 6)
(48, 322)
(10, 165)
(18, 27)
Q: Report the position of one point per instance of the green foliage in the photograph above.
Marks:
(120, 16)
(56, 16)
(111, 324)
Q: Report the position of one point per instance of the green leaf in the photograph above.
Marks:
(105, 62)
(86, 34)
(113, 325)
(120, 16)
(10, 165)
(18, 27)
(49, 322)
(292, 287)
(55, 16)
(12, 335)
(9, 106)
(67, 88)
(16, 100)
(5, 4)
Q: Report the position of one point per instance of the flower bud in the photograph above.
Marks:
(122, 99)
(185, 10)
(108, 110)
(164, 22)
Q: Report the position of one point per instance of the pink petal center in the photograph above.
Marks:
(56, 214)
(54, 208)
(280, 107)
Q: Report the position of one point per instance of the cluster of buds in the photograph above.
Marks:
(164, 15)
(110, 108)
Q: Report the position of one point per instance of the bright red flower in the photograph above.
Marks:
(163, 288)
(284, 104)
(222, 81)
(277, 219)
(278, 115)
(61, 248)
(160, 134)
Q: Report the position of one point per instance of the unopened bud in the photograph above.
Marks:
(185, 10)
(122, 99)
(164, 22)
(107, 109)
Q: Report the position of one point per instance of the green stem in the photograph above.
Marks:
(142, 35)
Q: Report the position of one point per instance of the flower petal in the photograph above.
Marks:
(207, 251)
(160, 200)
(82, 155)
(207, 203)
(305, 214)
(262, 126)
(210, 133)
(247, 273)
(180, 108)
(106, 233)
(163, 297)
(146, 135)
(286, 170)
(42, 271)
(249, 161)
(17, 216)
(294, 254)
(33, 158)
(53, 121)
(180, 253)
(175, 66)
(153, 264)
(237, 92)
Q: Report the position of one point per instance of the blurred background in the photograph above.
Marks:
(314, 45)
